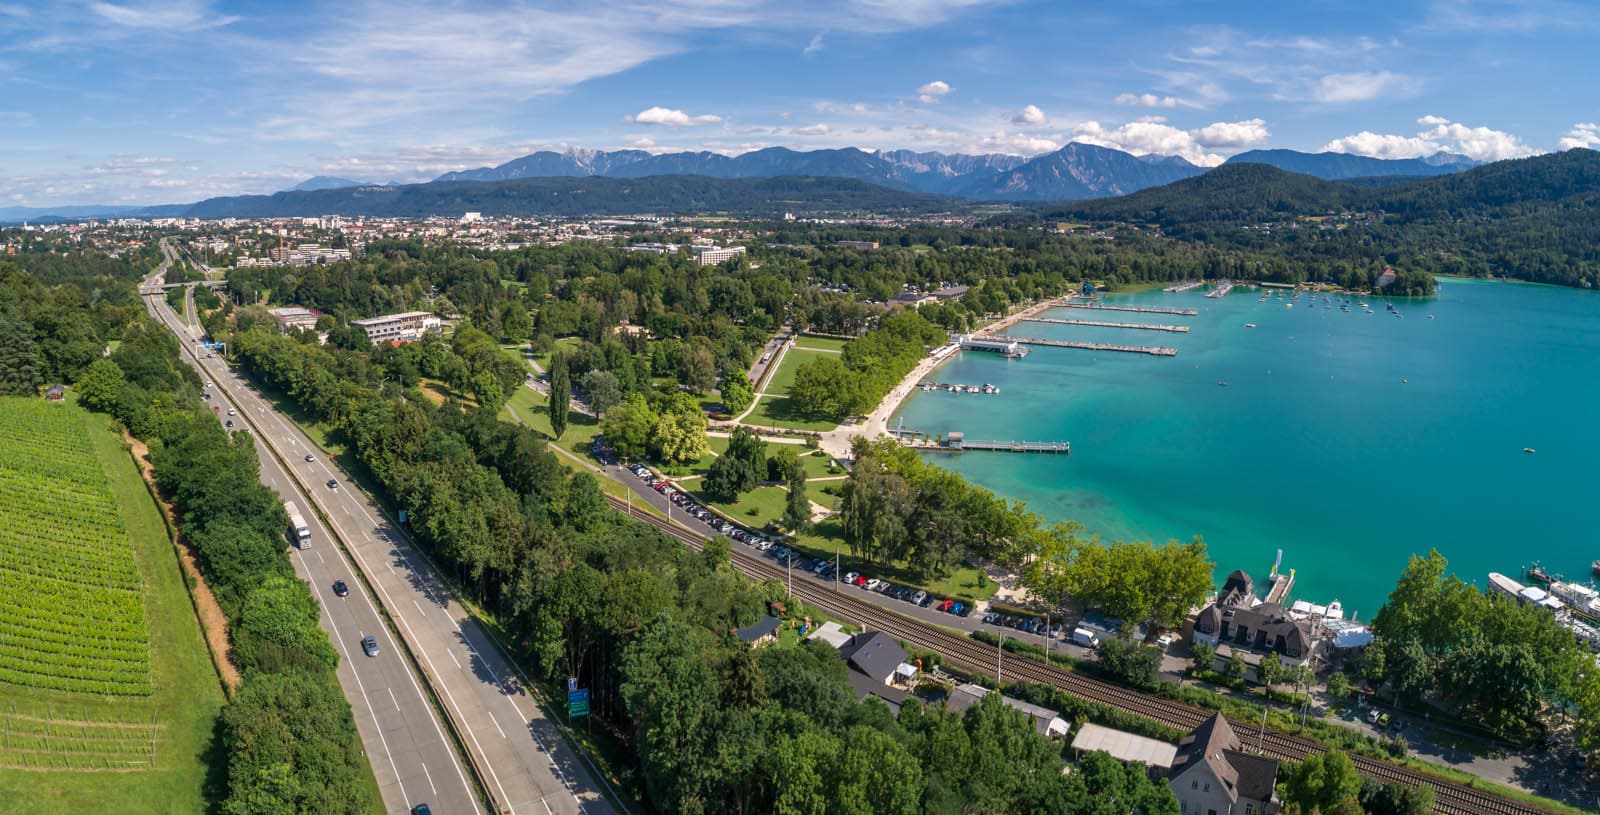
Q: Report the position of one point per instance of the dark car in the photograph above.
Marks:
(369, 645)
(340, 588)
(421, 809)
(332, 484)
(230, 423)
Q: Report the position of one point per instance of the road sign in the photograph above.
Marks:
(578, 703)
(402, 516)
(572, 684)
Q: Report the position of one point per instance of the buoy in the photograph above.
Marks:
(1404, 381)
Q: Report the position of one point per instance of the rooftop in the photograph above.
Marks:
(1124, 746)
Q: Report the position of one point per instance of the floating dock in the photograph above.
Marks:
(1108, 324)
(1221, 290)
(1153, 350)
(1185, 286)
(1185, 312)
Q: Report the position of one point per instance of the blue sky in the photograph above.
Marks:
(126, 101)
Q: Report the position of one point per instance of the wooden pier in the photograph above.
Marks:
(1153, 350)
(1185, 312)
(1281, 584)
(1185, 286)
(956, 442)
(1107, 324)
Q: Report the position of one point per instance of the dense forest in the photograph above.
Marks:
(1528, 219)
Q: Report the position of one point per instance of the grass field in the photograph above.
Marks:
(778, 411)
(783, 378)
(162, 740)
(807, 341)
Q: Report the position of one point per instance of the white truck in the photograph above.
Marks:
(299, 533)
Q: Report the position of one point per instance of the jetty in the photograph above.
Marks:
(956, 442)
(1183, 312)
(1153, 350)
(956, 387)
(1185, 286)
(1108, 324)
(1221, 290)
(1281, 584)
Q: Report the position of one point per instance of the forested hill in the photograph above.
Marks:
(1532, 219)
(668, 194)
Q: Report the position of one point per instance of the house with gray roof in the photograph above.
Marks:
(1213, 775)
(876, 661)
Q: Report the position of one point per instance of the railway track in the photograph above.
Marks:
(1451, 798)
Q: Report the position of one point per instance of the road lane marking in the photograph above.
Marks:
(497, 726)
(453, 659)
(429, 776)
(392, 699)
(419, 607)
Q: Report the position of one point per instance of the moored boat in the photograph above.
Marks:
(1595, 567)
(1537, 572)
(1505, 585)
(1583, 600)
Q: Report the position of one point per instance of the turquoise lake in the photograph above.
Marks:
(1349, 440)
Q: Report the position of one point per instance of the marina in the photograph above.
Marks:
(1222, 289)
(1106, 324)
(1184, 286)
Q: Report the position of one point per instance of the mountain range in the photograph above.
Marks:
(1342, 166)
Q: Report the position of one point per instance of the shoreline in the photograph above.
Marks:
(837, 442)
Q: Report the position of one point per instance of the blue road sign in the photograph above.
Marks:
(402, 516)
(578, 702)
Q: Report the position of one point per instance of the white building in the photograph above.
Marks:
(295, 317)
(406, 327)
(713, 255)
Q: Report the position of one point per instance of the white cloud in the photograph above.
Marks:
(163, 15)
(818, 129)
(930, 92)
(1583, 134)
(1026, 144)
(1148, 100)
(1031, 116)
(1439, 135)
(671, 117)
(1156, 136)
(1335, 89)
(814, 46)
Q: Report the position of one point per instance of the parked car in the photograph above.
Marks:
(927, 601)
(850, 577)
(861, 580)
(232, 412)
(340, 589)
(822, 566)
(230, 424)
(919, 597)
(1085, 637)
(1372, 715)
(369, 645)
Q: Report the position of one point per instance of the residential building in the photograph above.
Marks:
(831, 633)
(877, 664)
(1048, 722)
(1212, 775)
(858, 244)
(406, 327)
(713, 255)
(1238, 620)
(763, 631)
(1386, 278)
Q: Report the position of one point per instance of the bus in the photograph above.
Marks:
(299, 533)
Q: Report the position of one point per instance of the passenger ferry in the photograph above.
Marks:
(1583, 600)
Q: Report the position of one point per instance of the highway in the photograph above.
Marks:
(517, 753)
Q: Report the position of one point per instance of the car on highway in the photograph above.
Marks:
(369, 646)
(421, 809)
(332, 484)
(310, 457)
(340, 589)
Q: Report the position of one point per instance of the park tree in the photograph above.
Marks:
(825, 389)
(1339, 685)
(736, 394)
(628, 426)
(679, 438)
(1270, 671)
(601, 390)
(697, 367)
(515, 324)
(797, 507)
(739, 469)
(873, 509)
(101, 385)
(560, 394)
(1132, 663)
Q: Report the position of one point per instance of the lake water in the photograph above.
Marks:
(1349, 440)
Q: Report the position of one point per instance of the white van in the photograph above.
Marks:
(1085, 637)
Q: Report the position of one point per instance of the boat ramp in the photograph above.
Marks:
(1108, 324)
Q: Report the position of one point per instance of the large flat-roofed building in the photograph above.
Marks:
(713, 255)
(291, 317)
(406, 327)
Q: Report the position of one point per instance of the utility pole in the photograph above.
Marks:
(997, 652)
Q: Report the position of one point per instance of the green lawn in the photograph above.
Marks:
(805, 341)
(778, 384)
(778, 411)
(187, 774)
(565, 343)
(962, 584)
(815, 462)
(532, 408)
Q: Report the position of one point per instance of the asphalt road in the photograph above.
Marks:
(522, 758)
